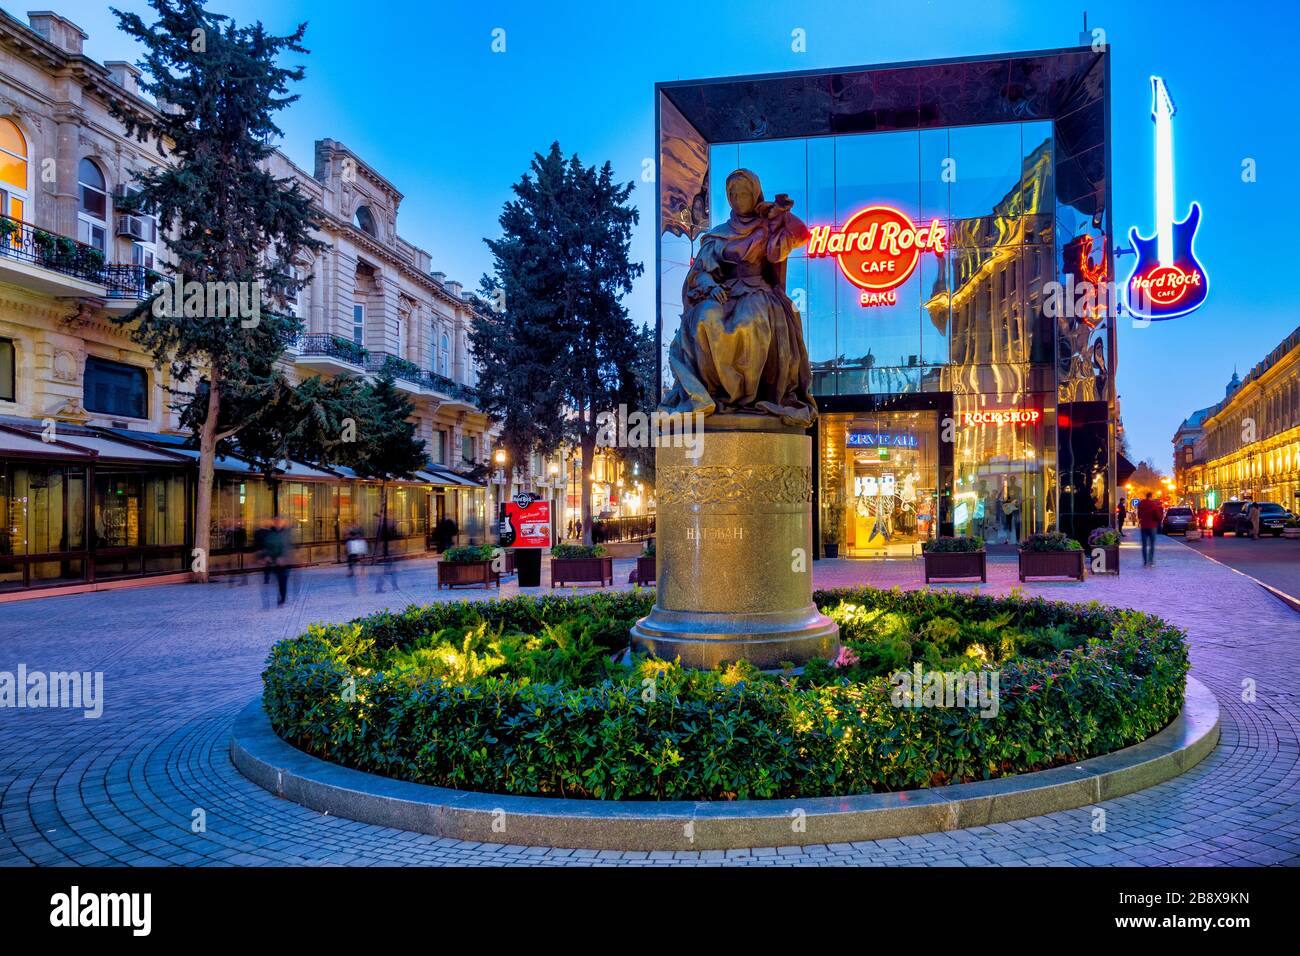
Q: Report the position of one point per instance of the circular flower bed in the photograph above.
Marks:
(530, 697)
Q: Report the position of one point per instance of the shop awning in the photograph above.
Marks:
(15, 443)
(1123, 468)
(443, 476)
(77, 442)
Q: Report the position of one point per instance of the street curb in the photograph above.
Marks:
(1290, 601)
(330, 788)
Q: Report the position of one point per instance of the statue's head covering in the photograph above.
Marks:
(750, 177)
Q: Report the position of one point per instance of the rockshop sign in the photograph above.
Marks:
(878, 249)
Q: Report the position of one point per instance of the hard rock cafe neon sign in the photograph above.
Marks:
(877, 250)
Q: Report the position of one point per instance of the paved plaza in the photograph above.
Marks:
(180, 661)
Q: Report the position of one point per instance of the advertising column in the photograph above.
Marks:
(527, 527)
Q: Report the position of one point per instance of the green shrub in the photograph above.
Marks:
(948, 545)
(649, 550)
(525, 696)
(1050, 541)
(578, 551)
(468, 553)
(1102, 538)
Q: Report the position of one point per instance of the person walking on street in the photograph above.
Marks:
(1120, 514)
(1150, 514)
(1254, 521)
(387, 532)
(356, 548)
(275, 548)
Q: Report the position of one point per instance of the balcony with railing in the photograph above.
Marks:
(59, 265)
(425, 381)
(340, 355)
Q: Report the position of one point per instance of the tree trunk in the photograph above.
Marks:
(588, 464)
(207, 468)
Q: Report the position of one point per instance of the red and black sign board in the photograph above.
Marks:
(529, 520)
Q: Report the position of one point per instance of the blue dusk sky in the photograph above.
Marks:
(415, 89)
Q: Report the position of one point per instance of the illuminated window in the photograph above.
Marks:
(92, 212)
(13, 170)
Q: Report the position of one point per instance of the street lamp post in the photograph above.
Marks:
(500, 481)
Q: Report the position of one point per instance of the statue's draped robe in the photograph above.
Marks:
(746, 354)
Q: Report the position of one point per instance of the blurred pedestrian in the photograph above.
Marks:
(1120, 514)
(1254, 521)
(387, 531)
(275, 549)
(1150, 514)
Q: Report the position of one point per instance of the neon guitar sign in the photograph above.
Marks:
(1167, 280)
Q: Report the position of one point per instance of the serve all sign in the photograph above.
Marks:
(530, 520)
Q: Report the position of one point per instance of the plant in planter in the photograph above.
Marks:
(1103, 547)
(1051, 554)
(468, 564)
(1292, 528)
(951, 559)
(645, 565)
(7, 228)
(580, 564)
(832, 524)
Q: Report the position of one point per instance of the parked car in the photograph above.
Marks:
(1206, 519)
(1271, 518)
(1177, 521)
(1229, 512)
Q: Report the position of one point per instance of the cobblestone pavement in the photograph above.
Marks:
(180, 661)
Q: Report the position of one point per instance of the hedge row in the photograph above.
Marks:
(709, 736)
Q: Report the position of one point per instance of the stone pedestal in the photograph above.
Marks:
(734, 544)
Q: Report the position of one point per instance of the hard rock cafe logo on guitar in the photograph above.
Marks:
(1167, 281)
(877, 250)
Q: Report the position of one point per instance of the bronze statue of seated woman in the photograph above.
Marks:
(740, 348)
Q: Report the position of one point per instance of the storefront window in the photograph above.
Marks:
(879, 481)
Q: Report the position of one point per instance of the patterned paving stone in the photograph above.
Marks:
(151, 782)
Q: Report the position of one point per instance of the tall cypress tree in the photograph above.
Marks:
(563, 349)
(224, 216)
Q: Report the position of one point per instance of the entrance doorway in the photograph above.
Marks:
(879, 482)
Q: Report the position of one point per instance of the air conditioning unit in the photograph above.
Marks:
(139, 228)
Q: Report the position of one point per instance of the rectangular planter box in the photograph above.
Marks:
(581, 571)
(954, 565)
(1110, 560)
(645, 571)
(468, 574)
(1051, 564)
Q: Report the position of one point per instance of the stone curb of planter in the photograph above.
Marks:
(716, 825)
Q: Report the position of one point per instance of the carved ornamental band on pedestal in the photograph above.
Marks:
(734, 524)
(787, 484)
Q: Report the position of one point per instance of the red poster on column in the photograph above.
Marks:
(530, 520)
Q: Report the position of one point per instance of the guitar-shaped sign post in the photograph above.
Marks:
(1167, 281)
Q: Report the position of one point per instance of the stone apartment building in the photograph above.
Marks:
(111, 495)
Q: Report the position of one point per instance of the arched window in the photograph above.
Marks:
(365, 220)
(13, 170)
(444, 348)
(92, 209)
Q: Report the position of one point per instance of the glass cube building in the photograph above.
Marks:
(969, 398)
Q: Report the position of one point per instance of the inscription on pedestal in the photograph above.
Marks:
(696, 533)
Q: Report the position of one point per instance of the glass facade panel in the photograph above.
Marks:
(1023, 205)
